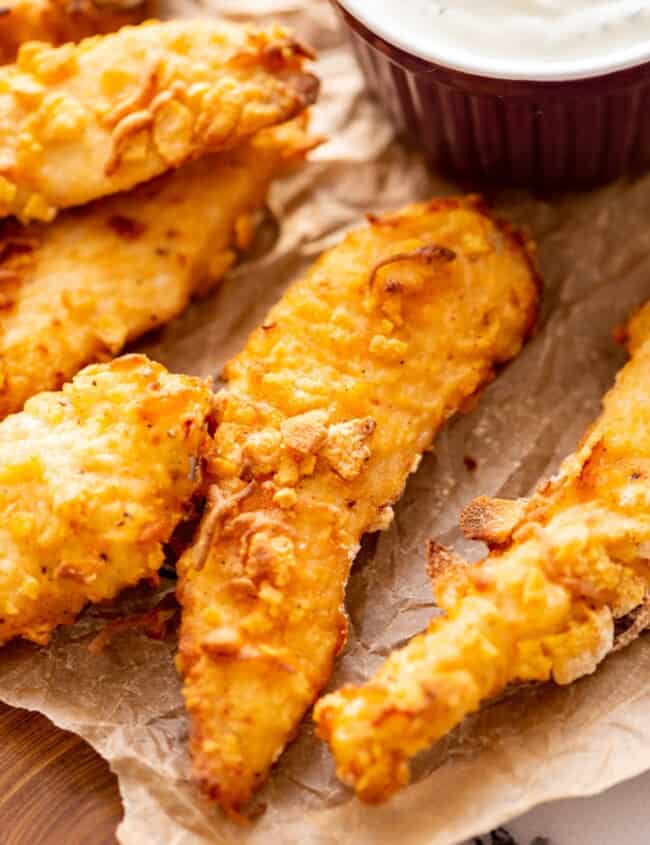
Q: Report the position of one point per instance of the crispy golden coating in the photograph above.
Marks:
(77, 290)
(563, 565)
(57, 21)
(93, 480)
(327, 411)
(79, 122)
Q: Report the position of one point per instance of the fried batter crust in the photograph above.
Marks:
(93, 480)
(563, 565)
(327, 411)
(79, 122)
(57, 21)
(77, 290)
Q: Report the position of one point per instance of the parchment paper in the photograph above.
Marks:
(541, 744)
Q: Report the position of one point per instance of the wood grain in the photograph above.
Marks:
(54, 789)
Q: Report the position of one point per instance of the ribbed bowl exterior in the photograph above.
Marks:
(542, 134)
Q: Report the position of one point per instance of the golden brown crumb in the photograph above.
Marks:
(563, 565)
(491, 520)
(325, 414)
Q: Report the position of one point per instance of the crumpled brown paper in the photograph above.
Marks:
(540, 744)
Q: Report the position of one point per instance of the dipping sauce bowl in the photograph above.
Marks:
(556, 130)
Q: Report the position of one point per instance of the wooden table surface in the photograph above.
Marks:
(54, 789)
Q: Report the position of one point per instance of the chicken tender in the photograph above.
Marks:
(79, 122)
(93, 481)
(326, 412)
(57, 21)
(563, 566)
(77, 290)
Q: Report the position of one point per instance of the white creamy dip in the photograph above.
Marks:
(533, 39)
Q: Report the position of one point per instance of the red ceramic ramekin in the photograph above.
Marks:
(544, 133)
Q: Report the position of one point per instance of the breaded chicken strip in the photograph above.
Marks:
(93, 480)
(78, 289)
(327, 411)
(563, 565)
(79, 122)
(57, 21)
